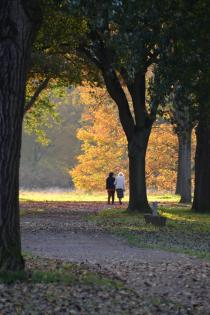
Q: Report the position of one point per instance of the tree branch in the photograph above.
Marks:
(153, 110)
(88, 54)
(102, 60)
(36, 94)
(115, 90)
(137, 91)
(152, 57)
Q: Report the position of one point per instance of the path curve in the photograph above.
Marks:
(67, 235)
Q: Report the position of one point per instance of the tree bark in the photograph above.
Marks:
(201, 201)
(137, 130)
(137, 135)
(185, 166)
(178, 178)
(137, 148)
(16, 36)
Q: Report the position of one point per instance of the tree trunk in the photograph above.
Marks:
(137, 131)
(178, 178)
(184, 177)
(201, 201)
(137, 148)
(16, 36)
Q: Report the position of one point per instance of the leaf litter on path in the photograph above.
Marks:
(160, 283)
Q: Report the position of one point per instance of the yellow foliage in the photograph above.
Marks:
(104, 147)
(161, 158)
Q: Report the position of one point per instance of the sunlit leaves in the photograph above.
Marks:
(104, 147)
(44, 113)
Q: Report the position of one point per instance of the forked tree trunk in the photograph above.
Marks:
(16, 35)
(201, 201)
(137, 152)
(137, 130)
(184, 177)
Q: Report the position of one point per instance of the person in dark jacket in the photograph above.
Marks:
(110, 187)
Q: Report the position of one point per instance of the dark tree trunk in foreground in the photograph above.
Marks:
(16, 37)
(201, 201)
(184, 166)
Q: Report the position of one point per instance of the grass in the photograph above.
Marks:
(68, 274)
(78, 196)
(185, 232)
(60, 196)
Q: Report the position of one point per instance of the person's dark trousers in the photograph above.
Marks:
(111, 193)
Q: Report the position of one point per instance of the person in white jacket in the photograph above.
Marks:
(120, 186)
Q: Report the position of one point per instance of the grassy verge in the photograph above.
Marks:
(185, 231)
(78, 196)
(52, 271)
(53, 287)
(64, 276)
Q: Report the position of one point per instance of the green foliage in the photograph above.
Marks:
(123, 36)
(10, 277)
(68, 274)
(44, 114)
(184, 62)
(47, 166)
(55, 47)
(53, 58)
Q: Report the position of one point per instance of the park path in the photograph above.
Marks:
(64, 233)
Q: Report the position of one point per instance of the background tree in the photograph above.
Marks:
(103, 142)
(201, 82)
(161, 158)
(47, 166)
(188, 57)
(104, 148)
(179, 109)
(44, 113)
(51, 70)
(122, 40)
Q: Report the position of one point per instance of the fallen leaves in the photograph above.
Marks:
(157, 285)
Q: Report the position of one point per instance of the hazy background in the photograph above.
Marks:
(48, 166)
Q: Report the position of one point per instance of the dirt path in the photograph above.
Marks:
(66, 234)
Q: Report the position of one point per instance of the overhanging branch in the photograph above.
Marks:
(116, 92)
(36, 94)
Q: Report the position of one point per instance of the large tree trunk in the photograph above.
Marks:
(137, 152)
(137, 131)
(16, 36)
(201, 201)
(184, 177)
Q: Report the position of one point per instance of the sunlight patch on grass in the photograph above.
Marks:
(78, 196)
(184, 214)
(62, 196)
(185, 231)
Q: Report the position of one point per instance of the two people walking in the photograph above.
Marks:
(115, 183)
